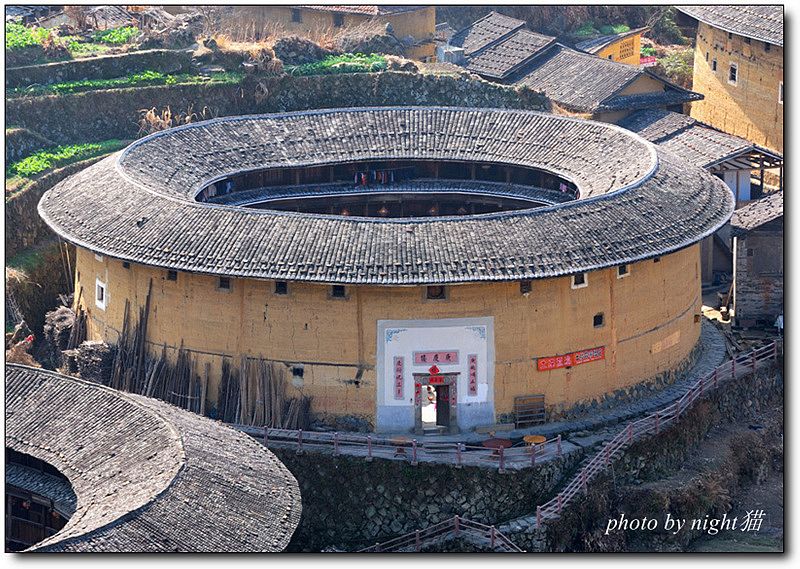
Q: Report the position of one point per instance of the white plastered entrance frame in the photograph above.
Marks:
(400, 350)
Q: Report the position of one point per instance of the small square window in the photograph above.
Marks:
(714, 64)
(767, 47)
(611, 57)
(126, 265)
(580, 280)
(746, 40)
(436, 292)
(338, 20)
(281, 287)
(100, 296)
(598, 320)
(657, 260)
(706, 56)
(297, 16)
(525, 287)
(733, 74)
(224, 283)
(623, 271)
(338, 291)
(730, 36)
(172, 275)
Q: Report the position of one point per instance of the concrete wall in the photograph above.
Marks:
(758, 275)
(750, 108)
(649, 327)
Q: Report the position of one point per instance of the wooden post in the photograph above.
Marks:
(502, 465)
(369, 448)
(493, 533)
(456, 525)
(558, 445)
(538, 517)
(336, 443)
(414, 452)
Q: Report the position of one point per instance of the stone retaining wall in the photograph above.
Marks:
(582, 526)
(105, 114)
(102, 67)
(350, 503)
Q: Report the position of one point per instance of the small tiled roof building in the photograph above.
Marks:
(520, 252)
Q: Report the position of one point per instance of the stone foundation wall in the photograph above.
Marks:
(350, 503)
(105, 114)
(102, 67)
(581, 528)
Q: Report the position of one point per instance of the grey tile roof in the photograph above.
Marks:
(586, 83)
(148, 476)
(695, 142)
(757, 213)
(669, 97)
(505, 56)
(759, 22)
(596, 44)
(37, 482)
(635, 203)
(484, 32)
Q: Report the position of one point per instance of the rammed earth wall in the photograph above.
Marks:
(103, 67)
(349, 503)
(104, 114)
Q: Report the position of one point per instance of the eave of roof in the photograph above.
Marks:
(505, 57)
(485, 32)
(757, 213)
(696, 142)
(758, 22)
(635, 202)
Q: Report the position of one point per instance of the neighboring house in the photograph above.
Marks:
(501, 49)
(757, 231)
(738, 66)
(414, 24)
(740, 163)
(624, 47)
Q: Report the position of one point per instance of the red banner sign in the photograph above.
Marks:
(647, 60)
(398, 377)
(573, 359)
(436, 380)
(472, 360)
(449, 357)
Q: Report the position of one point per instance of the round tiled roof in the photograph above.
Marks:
(148, 476)
(635, 201)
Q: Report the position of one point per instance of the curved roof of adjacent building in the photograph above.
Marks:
(148, 476)
(636, 202)
(759, 22)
